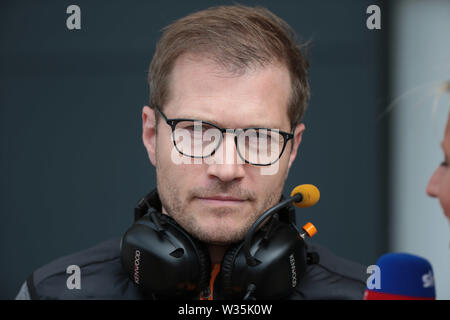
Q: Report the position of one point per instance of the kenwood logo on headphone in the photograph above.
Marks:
(137, 257)
(293, 271)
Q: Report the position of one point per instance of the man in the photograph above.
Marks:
(232, 67)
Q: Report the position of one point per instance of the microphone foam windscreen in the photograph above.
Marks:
(310, 193)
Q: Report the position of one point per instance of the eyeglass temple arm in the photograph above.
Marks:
(162, 114)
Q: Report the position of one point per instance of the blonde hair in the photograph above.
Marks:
(443, 88)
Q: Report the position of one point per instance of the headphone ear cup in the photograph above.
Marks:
(282, 263)
(167, 262)
(164, 218)
(200, 249)
(227, 268)
(204, 263)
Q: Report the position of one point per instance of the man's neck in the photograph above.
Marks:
(216, 253)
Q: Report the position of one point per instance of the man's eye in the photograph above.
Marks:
(200, 128)
(444, 164)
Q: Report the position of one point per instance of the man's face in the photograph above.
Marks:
(439, 184)
(218, 202)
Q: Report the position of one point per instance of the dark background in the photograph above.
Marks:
(72, 161)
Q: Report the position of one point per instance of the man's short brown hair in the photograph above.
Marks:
(238, 38)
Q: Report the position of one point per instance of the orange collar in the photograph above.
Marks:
(214, 272)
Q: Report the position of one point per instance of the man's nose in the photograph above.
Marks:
(226, 164)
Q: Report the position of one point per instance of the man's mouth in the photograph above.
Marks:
(221, 200)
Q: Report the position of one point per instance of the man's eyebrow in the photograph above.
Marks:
(215, 122)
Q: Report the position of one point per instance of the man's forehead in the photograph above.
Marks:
(201, 89)
(222, 66)
(230, 113)
(207, 67)
(236, 122)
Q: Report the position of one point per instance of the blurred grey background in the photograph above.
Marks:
(72, 162)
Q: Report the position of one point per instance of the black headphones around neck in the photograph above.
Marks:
(165, 261)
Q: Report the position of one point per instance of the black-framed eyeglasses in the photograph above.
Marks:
(201, 139)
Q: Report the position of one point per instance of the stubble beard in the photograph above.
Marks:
(176, 205)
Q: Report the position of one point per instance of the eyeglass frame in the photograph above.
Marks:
(174, 121)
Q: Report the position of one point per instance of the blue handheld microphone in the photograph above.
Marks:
(401, 276)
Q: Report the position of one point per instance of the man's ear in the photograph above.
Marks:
(298, 133)
(149, 132)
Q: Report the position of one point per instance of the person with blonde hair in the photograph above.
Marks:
(439, 183)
